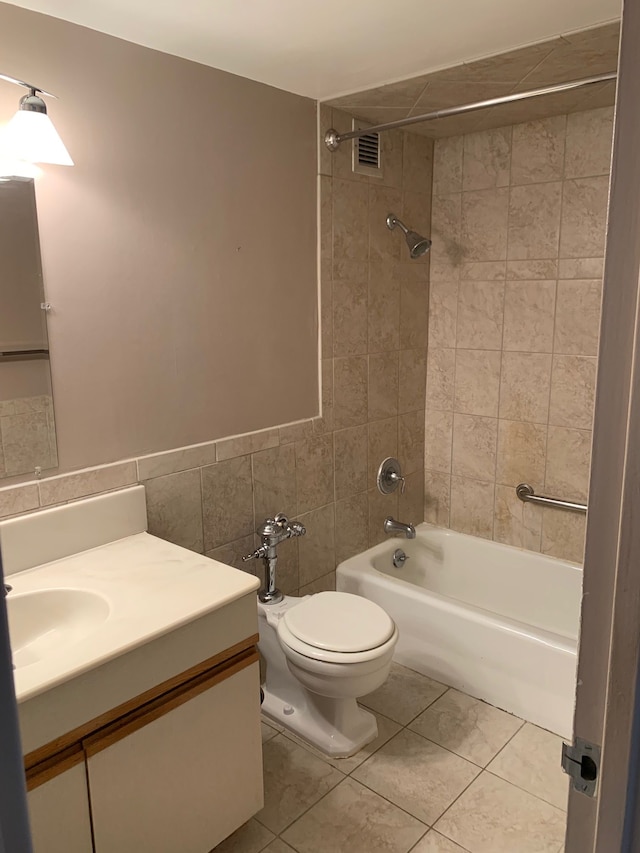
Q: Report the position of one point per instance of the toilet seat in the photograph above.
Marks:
(337, 627)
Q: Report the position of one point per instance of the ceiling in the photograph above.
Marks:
(329, 48)
(572, 57)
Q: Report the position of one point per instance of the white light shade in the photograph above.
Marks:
(31, 136)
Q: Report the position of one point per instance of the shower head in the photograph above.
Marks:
(418, 245)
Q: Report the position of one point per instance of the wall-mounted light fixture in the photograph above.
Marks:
(30, 135)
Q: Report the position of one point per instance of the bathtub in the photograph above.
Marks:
(496, 622)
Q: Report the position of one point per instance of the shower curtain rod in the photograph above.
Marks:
(333, 139)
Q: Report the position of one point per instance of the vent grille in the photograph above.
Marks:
(369, 150)
(367, 156)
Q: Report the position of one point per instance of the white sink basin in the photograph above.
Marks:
(42, 623)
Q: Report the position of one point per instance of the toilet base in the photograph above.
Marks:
(338, 728)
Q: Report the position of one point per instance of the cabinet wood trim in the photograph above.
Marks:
(57, 764)
(164, 704)
(59, 747)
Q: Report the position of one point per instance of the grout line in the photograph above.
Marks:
(524, 790)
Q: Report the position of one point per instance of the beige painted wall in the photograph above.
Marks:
(179, 254)
(518, 224)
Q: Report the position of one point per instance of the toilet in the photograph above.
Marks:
(319, 654)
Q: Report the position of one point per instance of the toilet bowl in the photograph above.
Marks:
(319, 654)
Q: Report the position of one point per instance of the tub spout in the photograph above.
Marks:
(393, 526)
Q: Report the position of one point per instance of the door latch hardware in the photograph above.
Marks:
(582, 763)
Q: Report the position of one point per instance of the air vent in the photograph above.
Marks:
(367, 159)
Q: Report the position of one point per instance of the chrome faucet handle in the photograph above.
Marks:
(390, 476)
(256, 555)
(297, 529)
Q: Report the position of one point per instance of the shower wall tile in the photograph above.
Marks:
(577, 326)
(384, 245)
(417, 163)
(411, 433)
(411, 503)
(383, 385)
(380, 507)
(350, 206)
(382, 442)
(516, 267)
(350, 447)
(412, 380)
(350, 394)
(350, 320)
(414, 305)
(383, 322)
(315, 472)
(538, 151)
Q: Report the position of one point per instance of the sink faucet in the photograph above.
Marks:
(393, 526)
(273, 531)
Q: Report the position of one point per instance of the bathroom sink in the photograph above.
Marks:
(42, 623)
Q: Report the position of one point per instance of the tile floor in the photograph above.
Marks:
(447, 774)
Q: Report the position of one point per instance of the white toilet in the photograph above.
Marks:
(319, 654)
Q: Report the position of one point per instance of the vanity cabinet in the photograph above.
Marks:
(59, 813)
(179, 768)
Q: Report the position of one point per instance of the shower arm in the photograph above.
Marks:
(333, 139)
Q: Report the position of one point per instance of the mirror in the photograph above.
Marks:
(27, 427)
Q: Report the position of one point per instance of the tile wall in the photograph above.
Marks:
(27, 435)
(518, 226)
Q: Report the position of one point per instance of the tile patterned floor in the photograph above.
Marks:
(447, 774)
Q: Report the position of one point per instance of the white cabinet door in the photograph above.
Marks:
(59, 814)
(186, 779)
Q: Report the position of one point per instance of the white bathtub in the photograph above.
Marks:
(493, 621)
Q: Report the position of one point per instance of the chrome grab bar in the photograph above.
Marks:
(525, 492)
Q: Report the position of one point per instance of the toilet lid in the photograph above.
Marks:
(339, 622)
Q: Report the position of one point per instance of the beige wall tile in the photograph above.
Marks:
(584, 216)
(534, 221)
(446, 232)
(382, 443)
(437, 498)
(568, 459)
(484, 224)
(440, 378)
(538, 151)
(477, 382)
(521, 453)
(472, 507)
(350, 220)
(443, 313)
(350, 391)
(412, 380)
(326, 312)
(325, 157)
(529, 311)
(326, 230)
(383, 308)
(563, 535)
(380, 507)
(474, 447)
(296, 431)
(327, 583)
(17, 499)
(241, 445)
(383, 385)
(92, 481)
(480, 315)
(577, 328)
(516, 523)
(173, 461)
(483, 271)
(352, 526)
(174, 509)
(392, 159)
(232, 554)
(582, 268)
(350, 447)
(26, 443)
(417, 162)
(274, 482)
(316, 549)
(573, 380)
(589, 143)
(487, 159)
(416, 214)
(314, 472)
(529, 270)
(524, 386)
(384, 245)
(350, 315)
(447, 165)
(411, 503)
(414, 305)
(411, 441)
(227, 501)
(438, 440)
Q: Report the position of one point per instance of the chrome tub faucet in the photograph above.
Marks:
(394, 527)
